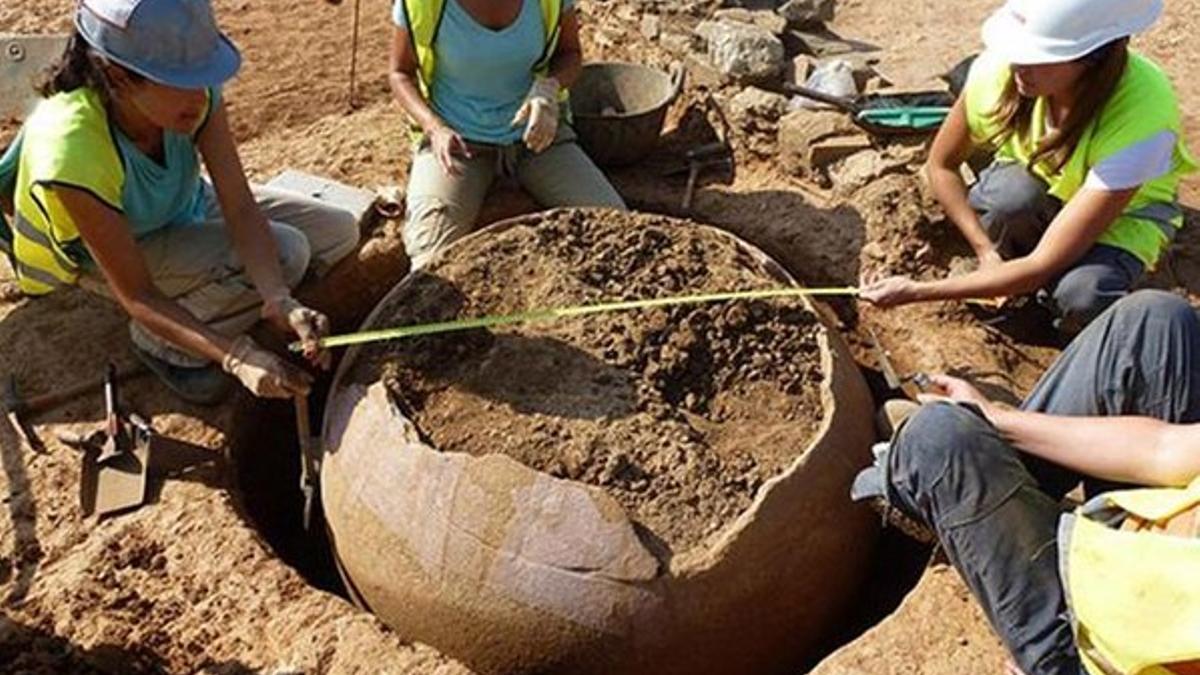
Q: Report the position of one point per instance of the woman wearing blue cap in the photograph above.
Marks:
(105, 187)
(1087, 139)
(485, 82)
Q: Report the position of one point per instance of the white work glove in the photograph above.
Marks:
(263, 373)
(539, 114)
(308, 324)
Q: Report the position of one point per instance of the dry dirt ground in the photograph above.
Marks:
(188, 584)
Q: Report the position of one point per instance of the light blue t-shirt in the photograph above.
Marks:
(168, 194)
(483, 75)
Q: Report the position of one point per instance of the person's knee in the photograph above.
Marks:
(952, 466)
(1079, 298)
(1161, 305)
(615, 202)
(935, 439)
(295, 253)
(1015, 194)
(431, 225)
(343, 236)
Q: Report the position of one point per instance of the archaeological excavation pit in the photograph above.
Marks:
(653, 491)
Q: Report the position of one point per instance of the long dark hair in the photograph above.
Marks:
(79, 67)
(1014, 113)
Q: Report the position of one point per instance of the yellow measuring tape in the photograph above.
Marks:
(540, 315)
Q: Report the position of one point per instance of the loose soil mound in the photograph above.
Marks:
(679, 413)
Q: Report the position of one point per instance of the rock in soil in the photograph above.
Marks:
(742, 52)
(803, 130)
(762, 18)
(807, 12)
(651, 26)
(753, 104)
(679, 413)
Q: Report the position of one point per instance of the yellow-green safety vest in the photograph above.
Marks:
(1143, 105)
(424, 18)
(1134, 596)
(64, 128)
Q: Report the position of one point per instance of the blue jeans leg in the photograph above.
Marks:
(1014, 206)
(1104, 275)
(952, 469)
(995, 509)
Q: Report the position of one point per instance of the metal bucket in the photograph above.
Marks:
(619, 109)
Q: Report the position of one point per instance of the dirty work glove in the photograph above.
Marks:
(308, 324)
(539, 114)
(263, 373)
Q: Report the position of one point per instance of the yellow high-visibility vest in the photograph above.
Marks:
(72, 146)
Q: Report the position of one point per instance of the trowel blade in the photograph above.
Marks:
(885, 363)
(118, 483)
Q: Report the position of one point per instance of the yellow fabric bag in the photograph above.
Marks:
(1130, 564)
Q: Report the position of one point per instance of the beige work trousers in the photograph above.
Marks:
(196, 265)
(442, 209)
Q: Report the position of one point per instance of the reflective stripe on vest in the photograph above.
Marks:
(6, 235)
(41, 266)
(424, 19)
(1168, 217)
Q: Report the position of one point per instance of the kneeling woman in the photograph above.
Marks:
(105, 188)
(484, 80)
(1086, 134)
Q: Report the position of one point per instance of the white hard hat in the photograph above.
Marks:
(1029, 32)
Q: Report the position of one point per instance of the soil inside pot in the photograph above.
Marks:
(679, 413)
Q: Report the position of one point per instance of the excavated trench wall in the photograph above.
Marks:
(511, 569)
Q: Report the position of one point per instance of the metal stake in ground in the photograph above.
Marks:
(354, 56)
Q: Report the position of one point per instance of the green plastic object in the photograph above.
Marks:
(916, 117)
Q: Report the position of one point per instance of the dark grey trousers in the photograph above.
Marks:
(995, 510)
(1015, 209)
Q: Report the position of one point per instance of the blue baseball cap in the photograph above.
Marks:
(172, 42)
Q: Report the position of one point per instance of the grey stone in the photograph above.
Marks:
(23, 59)
(706, 30)
(744, 52)
(651, 26)
(823, 43)
(739, 14)
(807, 12)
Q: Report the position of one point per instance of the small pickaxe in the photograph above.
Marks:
(696, 160)
(711, 154)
